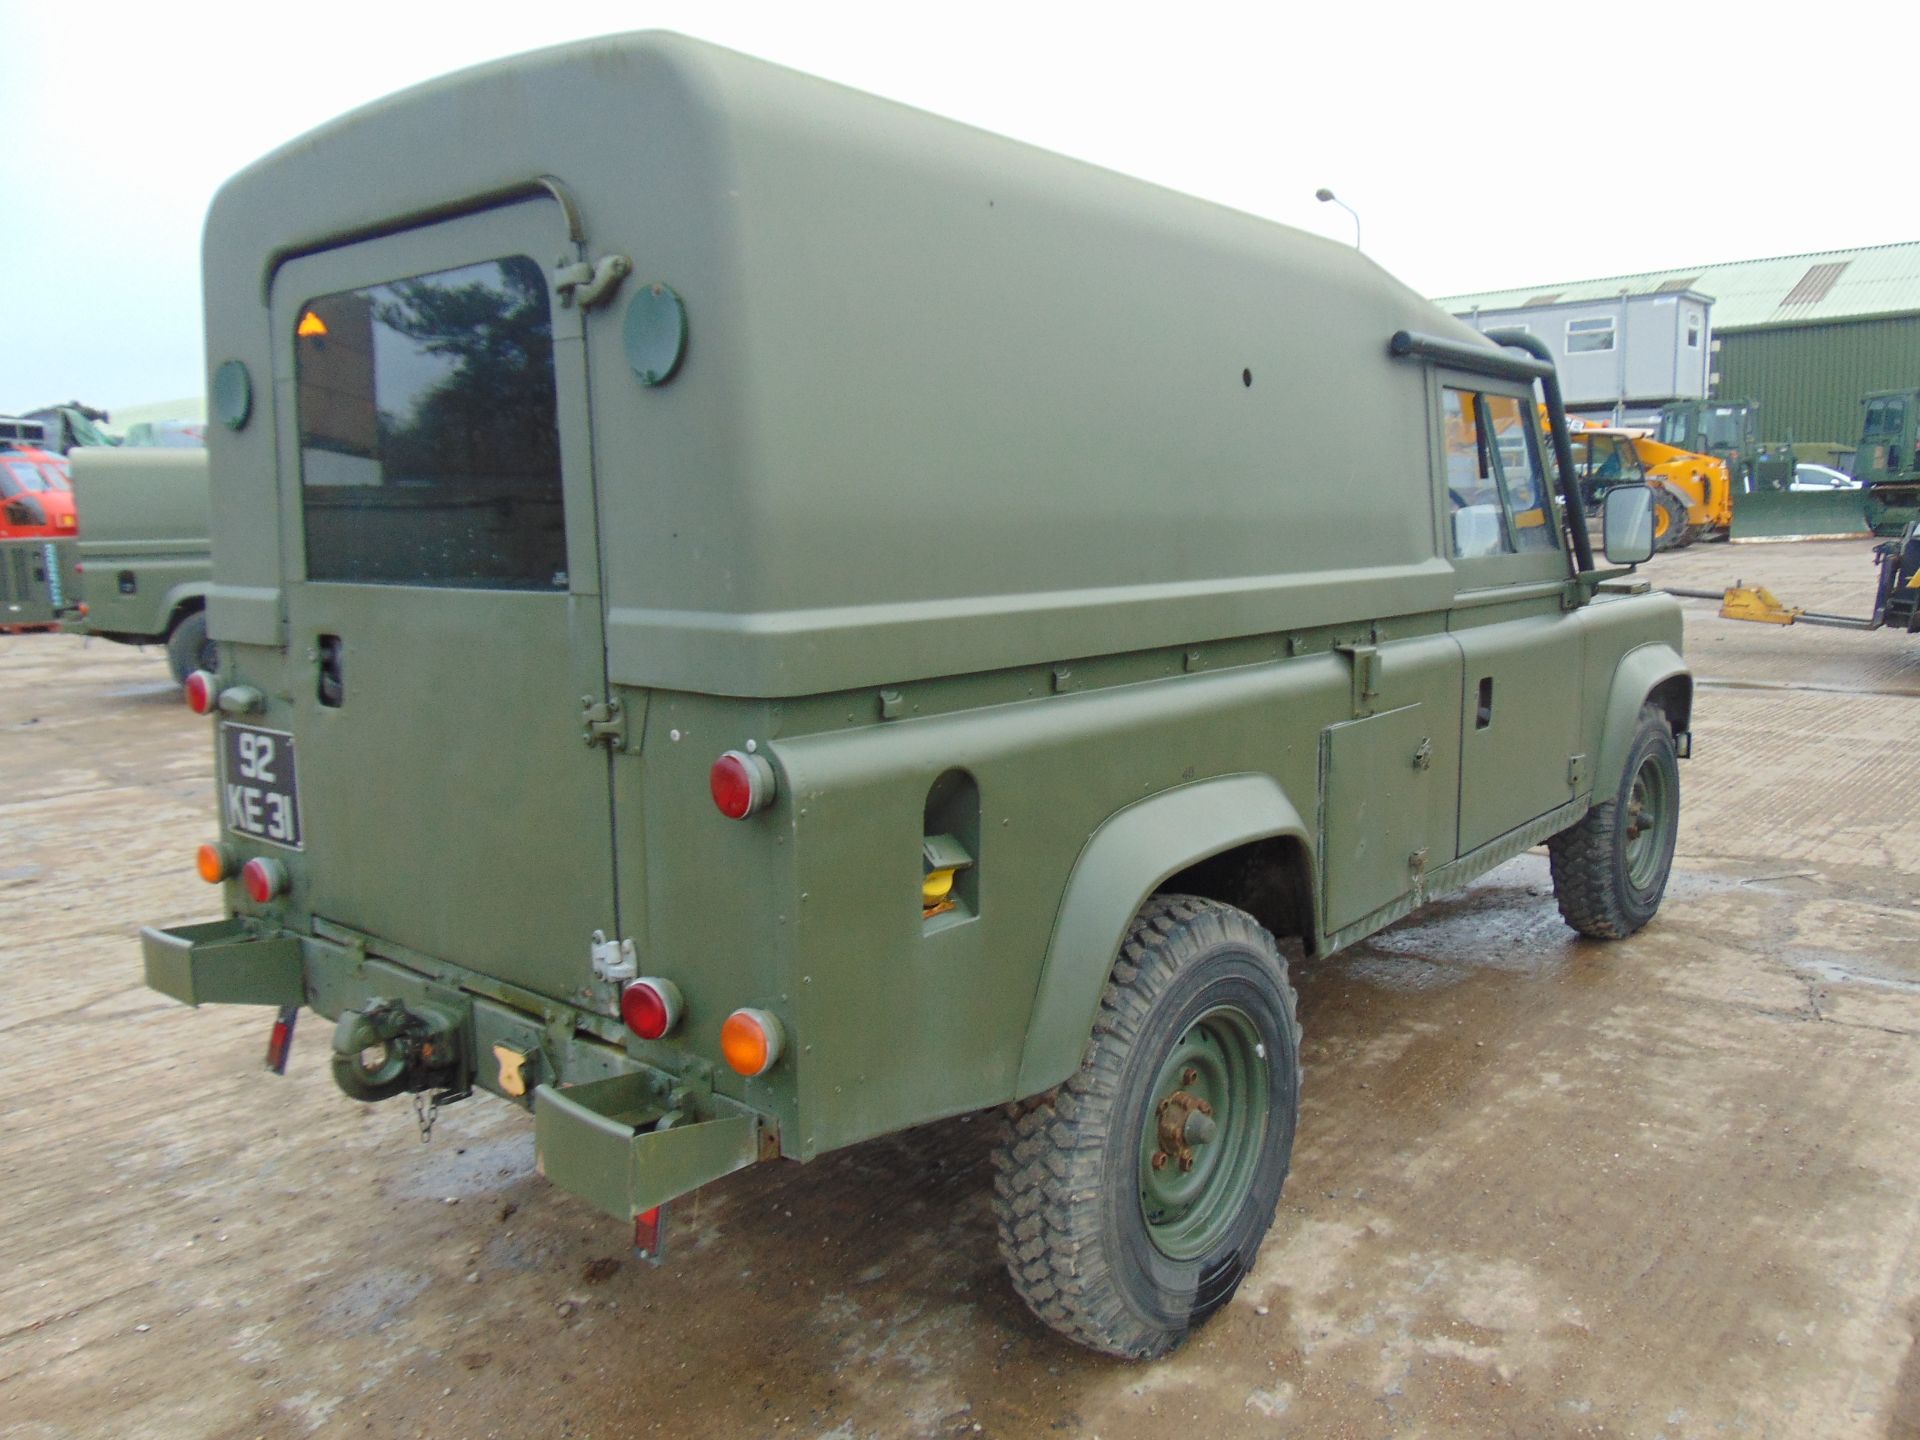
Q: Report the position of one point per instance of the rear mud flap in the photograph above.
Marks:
(222, 962)
(601, 1142)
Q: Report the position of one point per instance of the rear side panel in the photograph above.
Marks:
(144, 537)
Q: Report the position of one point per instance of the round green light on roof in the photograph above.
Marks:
(232, 394)
(655, 333)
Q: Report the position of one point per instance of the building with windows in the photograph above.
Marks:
(1804, 335)
(1622, 357)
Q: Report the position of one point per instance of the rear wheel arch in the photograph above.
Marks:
(180, 605)
(1235, 838)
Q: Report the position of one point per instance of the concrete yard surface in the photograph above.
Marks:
(1543, 1187)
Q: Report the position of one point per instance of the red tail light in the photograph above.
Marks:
(201, 693)
(742, 784)
(651, 1007)
(264, 878)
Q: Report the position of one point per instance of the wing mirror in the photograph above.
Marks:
(1626, 526)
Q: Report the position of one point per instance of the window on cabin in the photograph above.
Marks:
(1496, 488)
(1595, 333)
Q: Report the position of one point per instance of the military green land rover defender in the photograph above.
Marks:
(142, 566)
(750, 617)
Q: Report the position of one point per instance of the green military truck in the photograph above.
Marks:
(1887, 464)
(751, 617)
(143, 563)
(1729, 430)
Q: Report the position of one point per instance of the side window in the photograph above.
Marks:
(1519, 456)
(1473, 495)
(1497, 499)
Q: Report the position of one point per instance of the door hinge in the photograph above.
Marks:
(612, 959)
(1423, 757)
(1577, 771)
(603, 722)
(1417, 861)
(1366, 676)
(588, 283)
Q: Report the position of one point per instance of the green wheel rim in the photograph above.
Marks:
(1650, 822)
(1205, 1125)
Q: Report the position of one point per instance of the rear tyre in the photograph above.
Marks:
(1610, 870)
(189, 649)
(1670, 528)
(1132, 1199)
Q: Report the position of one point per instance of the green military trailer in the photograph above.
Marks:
(751, 617)
(34, 573)
(1887, 464)
(143, 562)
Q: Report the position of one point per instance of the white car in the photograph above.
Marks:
(1822, 477)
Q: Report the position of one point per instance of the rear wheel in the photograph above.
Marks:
(1610, 870)
(1131, 1200)
(189, 648)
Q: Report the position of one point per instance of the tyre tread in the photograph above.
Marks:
(1047, 1167)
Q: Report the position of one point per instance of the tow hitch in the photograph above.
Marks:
(384, 1049)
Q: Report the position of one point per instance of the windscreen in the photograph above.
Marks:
(429, 438)
(23, 475)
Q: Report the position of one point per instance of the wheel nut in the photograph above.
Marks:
(1186, 1164)
(1159, 1159)
(1189, 1075)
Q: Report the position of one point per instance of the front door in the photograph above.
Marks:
(443, 597)
(1521, 651)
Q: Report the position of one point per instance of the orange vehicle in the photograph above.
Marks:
(36, 498)
(1692, 493)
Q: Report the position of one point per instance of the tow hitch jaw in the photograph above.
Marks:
(383, 1049)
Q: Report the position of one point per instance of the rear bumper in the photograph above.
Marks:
(629, 1143)
(623, 1135)
(223, 962)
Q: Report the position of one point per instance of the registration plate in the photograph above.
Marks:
(258, 791)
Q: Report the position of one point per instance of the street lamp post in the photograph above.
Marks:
(1325, 195)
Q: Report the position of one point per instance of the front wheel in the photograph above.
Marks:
(1610, 869)
(1132, 1199)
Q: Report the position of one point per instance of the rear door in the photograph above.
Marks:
(443, 595)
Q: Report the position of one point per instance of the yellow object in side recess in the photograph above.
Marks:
(513, 1074)
(936, 892)
(1756, 602)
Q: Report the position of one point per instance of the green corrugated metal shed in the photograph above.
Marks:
(1809, 378)
(1805, 335)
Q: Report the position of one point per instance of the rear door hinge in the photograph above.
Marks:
(590, 283)
(612, 959)
(603, 722)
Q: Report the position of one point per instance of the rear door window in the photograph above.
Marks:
(429, 436)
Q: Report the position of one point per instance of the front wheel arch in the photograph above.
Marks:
(1650, 675)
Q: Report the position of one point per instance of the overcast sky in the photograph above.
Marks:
(1483, 148)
